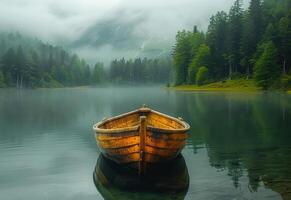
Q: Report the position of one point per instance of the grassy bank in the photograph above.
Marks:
(227, 85)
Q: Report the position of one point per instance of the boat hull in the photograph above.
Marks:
(148, 141)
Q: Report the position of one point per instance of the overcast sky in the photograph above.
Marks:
(133, 24)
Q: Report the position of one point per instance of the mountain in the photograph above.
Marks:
(120, 36)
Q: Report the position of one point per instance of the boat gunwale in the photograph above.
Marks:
(183, 123)
(96, 127)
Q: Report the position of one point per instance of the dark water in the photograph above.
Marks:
(239, 145)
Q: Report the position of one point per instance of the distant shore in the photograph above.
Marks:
(238, 85)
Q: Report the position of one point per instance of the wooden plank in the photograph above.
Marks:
(123, 142)
(126, 121)
(142, 135)
(166, 144)
(168, 136)
(115, 136)
(161, 121)
(122, 151)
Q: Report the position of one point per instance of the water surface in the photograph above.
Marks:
(239, 145)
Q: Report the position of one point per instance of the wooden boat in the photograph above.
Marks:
(141, 137)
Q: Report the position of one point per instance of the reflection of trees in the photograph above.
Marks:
(243, 132)
(33, 112)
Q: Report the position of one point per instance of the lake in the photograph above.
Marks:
(239, 145)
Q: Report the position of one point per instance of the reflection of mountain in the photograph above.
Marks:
(243, 134)
(163, 181)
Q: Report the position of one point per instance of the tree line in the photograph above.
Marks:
(27, 62)
(251, 43)
(140, 70)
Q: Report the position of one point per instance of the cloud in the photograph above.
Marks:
(114, 30)
(52, 20)
(108, 28)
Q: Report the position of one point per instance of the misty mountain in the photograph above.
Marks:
(122, 34)
(114, 31)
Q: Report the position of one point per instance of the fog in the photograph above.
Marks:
(99, 30)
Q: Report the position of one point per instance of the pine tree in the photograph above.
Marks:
(182, 56)
(217, 41)
(266, 70)
(234, 36)
(284, 30)
(252, 33)
(98, 74)
(8, 67)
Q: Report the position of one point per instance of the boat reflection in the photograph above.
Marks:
(162, 181)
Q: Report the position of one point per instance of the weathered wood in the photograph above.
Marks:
(168, 136)
(122, 151)
(160, 121)
(166, 144)
(122, 142)
(116, 136)
(141, 136)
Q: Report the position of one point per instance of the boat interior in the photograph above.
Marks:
(153, 119)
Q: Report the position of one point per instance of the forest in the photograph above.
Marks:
(30, 63)
(252, 43)
(140, 70)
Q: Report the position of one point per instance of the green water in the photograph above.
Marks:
(239, 145)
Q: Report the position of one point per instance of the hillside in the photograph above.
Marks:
(28, 62)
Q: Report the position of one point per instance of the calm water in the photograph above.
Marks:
(239, 145)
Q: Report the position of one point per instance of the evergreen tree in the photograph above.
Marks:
(32, 75)
(252, 33)
(8, 67)
(182, 56)
(201, 59)
(234, 37)
(140, 70)
(217, 42)
(284, 30)
(202, 75)
(266, 70)
(98, 75)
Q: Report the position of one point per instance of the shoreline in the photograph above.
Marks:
(237, 85)
(196, 88)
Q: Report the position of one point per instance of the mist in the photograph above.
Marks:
(106, 29)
